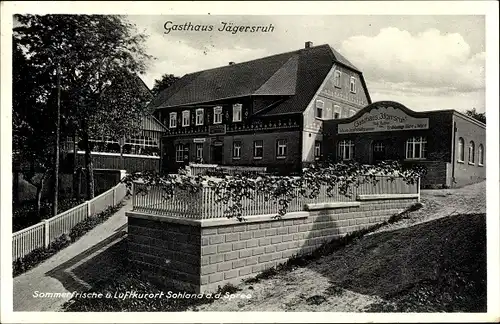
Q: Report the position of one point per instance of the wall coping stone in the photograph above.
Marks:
(333, 205)
(387, 196)
(218, 221)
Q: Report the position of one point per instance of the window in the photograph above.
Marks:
(199, 152)
(317, 150)
(481, 154)
(258, 149)
(185, 118)
(346, 150)
(179, 153)
(416, 148)
(217, 115)
(237, 112)
(337, 79)
(471, 152)
(281, 148)
(236, 150)
(319, 108)
(199, 116)
(173, 120)
(461, 152)
(353, 84)
(337, 112)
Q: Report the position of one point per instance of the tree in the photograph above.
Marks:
(476, 115)
(32, 129)
(93, 50)
(166, 81)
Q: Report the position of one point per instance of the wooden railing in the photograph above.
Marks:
(42, 234)
(203, 205)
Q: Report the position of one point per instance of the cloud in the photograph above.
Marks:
(427, 59)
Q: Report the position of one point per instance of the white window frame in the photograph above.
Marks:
(352, 85)
(236, 150)
(199, 151)
(218, 115)
(317, 149)
(461, 150)
(281, 148)
(337, 109)
(237, 112)
(346, 150)
(185, 118)
(179, 148)
(173, 120)
(472, 153)
(337, 79)
(319, 106)
(200, 115)
(480, 152)
(412, 143)
(258, 144)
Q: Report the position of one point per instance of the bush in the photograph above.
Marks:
(39, 255)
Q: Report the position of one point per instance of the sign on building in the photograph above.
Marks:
(383, 119)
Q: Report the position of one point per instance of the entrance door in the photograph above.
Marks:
(217, 154)
(378, 151)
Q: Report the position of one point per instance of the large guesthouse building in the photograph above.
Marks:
(266, 112)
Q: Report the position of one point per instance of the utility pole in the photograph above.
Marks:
(58, 125)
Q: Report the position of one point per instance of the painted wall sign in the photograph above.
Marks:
(384, 119)
(199, 140)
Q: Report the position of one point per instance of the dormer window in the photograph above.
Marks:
(185, 118)
(173, 120)
(337, 79)
(237, 112)
(218, 115)
(319, 108)
(353, 84)
(199, 116)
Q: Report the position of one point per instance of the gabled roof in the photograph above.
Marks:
(295, 76)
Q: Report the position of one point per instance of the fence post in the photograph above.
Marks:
(114, 196)
(418, 189)
(133, 194)
(89, 210)
(46, 240)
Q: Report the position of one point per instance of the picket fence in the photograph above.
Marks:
(203, 205)
(42, 234)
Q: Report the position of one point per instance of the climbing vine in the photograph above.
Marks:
(233, 190)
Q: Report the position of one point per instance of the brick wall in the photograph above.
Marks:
(209, 253)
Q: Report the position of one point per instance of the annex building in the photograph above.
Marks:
(448, 143)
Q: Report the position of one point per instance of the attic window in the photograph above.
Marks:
(337, 79)
(237, 112)
(319, 108)
(353, 84)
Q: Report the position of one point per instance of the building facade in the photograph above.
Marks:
(266, 112)
(448, 143)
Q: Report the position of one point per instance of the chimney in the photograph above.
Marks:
(231, 63)
(309, 44)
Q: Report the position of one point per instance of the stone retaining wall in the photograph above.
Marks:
(201, 255)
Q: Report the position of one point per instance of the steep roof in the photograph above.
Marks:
(296, 75)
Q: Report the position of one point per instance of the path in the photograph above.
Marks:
(93, 257)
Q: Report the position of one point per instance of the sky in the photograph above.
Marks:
(424, 62)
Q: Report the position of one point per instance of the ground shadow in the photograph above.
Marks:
(448, 253)
(100, 262)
